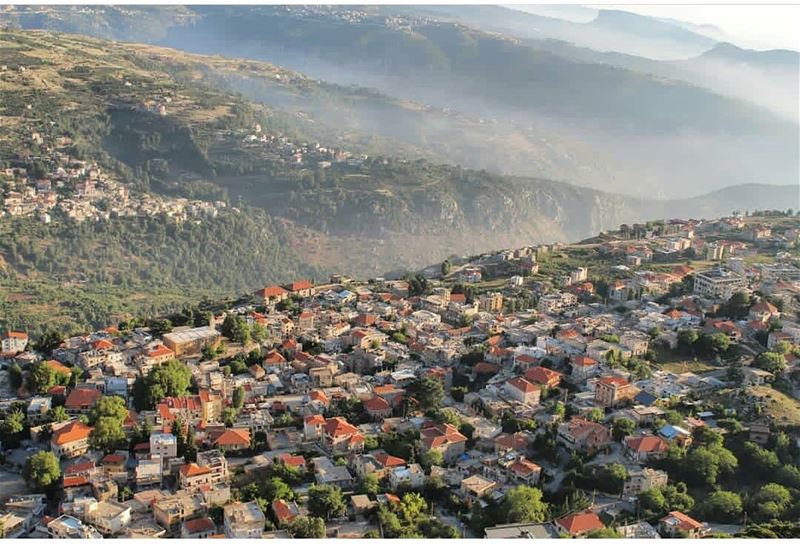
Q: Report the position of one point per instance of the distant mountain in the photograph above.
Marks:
(609, 30)
(356, 216)
(679, 137)
(787, 60)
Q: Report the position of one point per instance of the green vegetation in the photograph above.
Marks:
(169, 379)
(42, 470)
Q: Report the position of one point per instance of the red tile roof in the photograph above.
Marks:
(523, 385)
(233, 437)
(199, 525)
(273, 291)
(193, 470)
(300, 285)
(293, 460)
(377, 404)
(71, 432)
(338, 426)
(685, 523)
(646, 444)
(80, 398)
(580, 523)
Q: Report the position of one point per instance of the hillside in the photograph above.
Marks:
(301, 208)
(546, 103)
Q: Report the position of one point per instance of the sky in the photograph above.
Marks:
(748, 25)
(756, 26)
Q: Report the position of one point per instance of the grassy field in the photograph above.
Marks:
(783, 409)
(674, 362)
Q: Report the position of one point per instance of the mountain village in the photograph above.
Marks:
(612, 387)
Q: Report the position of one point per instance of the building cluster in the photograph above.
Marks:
(330, 387)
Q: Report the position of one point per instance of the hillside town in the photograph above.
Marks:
(628, 386)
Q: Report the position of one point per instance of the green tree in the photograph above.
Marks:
(42, 377)
(107, 434)
(15, 375)
(771, 501)
(722, 506)
(446, 267)
(611, 478)
(236, 329)
(596, 415)
(760, 460)
(431, 458)
(428, 392)
(238, 397)
(771, 362)
(623, 427)
(604, 533)
(370, 484)
(704, 436)
(170, 379)
(307, 528)
(524, 504)
(705, 465)
(42, 469)
(12, 428)
(57, 414)
(112, 407)
(326, 501)
(276, 488)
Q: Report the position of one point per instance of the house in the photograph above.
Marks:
(410, 476)
(520, 389)
(243, 520)
(148, 473)
(524, 471)
(303, 288)
(641, 480)
(216, 462)
(157, 355)
(445, 438)
(313, 427)
(70, 440)
(583, 435)
(578, 525)
(677, 524)
(184, 341)
(377, 407)
(476, 488)
(339, 436)
(163, 446)
(171, 511)
(516, 442)
(13, 342)
(285, 511)
(109, 517)
(545, 377)
(326, 472)
(718, 283)
(271, 295)
(583, 368)
(81, 400)
(613, 390)
(200, 528)
(68, 527)
(192, 475)
(643, 448)
(522, 531)
(38, 409)
(675, 434)
(759, 433)
(763, 312)
(289, 460)
(233, 439)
